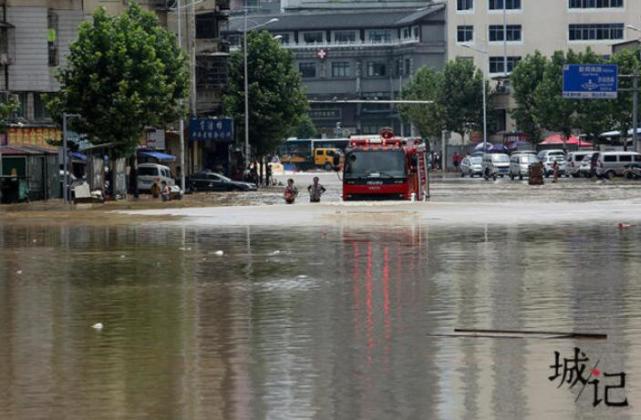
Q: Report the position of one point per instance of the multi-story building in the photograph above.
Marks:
(35, 36)
(508, 30)
(357, 54)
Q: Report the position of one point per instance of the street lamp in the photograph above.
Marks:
(484, 99)
(635, 101)
(247, 151)
(65, 192)
(181, 128)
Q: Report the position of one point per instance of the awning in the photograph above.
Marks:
(79, 156)
(156, 155)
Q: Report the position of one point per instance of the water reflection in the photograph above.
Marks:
(321, 322)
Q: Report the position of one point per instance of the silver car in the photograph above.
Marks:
(520, 164)
(472, 165)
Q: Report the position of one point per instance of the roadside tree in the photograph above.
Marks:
(123, 73)
(525, 78)
(277, 103)
(457, 92)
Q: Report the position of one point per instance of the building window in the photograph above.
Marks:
(497, 64)
(507, 4)
(52, 38)
(376, 36)
(465, 33)
(408, 66)
(341, 69)
(206, 26)
(21, 111)
(313, 37)
(39, 108)
(345, 37)
(376, 69)
(464, 5)
(599, 31)
(211, 71)
(307, 70)
(513, 33)
(595, 4)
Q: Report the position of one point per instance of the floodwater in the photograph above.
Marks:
(327, 321)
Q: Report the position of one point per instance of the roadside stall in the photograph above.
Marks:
(28, 173)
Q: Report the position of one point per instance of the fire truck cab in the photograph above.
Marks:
(384, 167)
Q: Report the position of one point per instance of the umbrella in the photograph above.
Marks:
(480, 146)
(498, 148)
(514, 145)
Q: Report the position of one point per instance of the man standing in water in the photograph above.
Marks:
(315, 191)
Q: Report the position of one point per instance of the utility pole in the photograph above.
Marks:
(635, 109)
(181, 126)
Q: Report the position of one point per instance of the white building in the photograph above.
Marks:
(508, 30)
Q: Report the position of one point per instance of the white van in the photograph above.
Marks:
(611, 164)
(153, 173)
(574, 162)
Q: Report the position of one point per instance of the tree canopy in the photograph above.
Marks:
(537, 83)
(457, 92)
(277, 103)
(123, 73)
(7, 107)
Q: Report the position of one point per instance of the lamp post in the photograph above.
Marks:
(635, 100)
(65, 173)
(246, 83)
(478, 50)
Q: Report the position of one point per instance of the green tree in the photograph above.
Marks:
(123, 73)
(306, 128)
(277, 103)
(424, 85)
(7, 107)
(551, 110)
(621, 108)
(525, 78)
(457, 92)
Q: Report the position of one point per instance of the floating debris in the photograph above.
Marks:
(275, 252)
(219, 253)
(97, 326)
(19, 272)
(624, 226)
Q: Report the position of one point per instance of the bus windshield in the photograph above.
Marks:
(375, 164)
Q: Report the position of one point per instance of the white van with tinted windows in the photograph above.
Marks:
(611, 164)
(153, 173)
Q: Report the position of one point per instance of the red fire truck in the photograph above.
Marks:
(385, 167)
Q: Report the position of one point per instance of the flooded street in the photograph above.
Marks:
(331, 319)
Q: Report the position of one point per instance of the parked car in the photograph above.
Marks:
(574, 162)
(585, 166)
(544, 154)
(495, 164)
(520, 164)
(212, 181)
(632, 171)
(472, 165)
(153, 173)
(611, 164)
(548, 165)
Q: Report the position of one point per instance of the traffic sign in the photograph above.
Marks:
(590, 81)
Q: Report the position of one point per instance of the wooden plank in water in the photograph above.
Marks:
(554, 334)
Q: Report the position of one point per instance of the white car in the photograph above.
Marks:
(548, 165)
(544, 154)
(472, 165)
(611, 164)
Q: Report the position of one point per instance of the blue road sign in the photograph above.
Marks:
(590, 81)
(218, 130)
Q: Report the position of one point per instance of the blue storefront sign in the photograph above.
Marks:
(590, 81)
(220, 129)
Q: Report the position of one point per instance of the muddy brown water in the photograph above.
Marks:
(322, 322)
